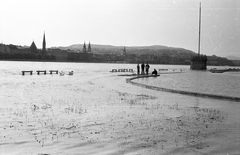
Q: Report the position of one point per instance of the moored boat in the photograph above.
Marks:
(214, 70)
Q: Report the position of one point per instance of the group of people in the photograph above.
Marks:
(145, 69)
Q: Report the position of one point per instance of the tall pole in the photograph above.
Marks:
(199, 29)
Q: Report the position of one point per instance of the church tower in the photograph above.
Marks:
(84, 48)
(89, 48)
(33, 48)
(44, 47)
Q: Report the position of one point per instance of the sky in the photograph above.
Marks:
(171, 23)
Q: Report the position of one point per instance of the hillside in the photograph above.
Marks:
(97, 46)
(107, 53)
(153, 54)
(232, 58)
(154, 49)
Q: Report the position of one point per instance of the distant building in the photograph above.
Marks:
(213, 60)
(84, 48)
(4, 48)
(33, 48)
(73, 56)
(23, 50)
(236, 62)
(127, 58)
(60, 55)
(146, 58)
(89, 48)
(86, 55)
(17, 49)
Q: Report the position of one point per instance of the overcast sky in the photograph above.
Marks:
(123, 23)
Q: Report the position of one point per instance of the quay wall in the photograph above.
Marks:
(197, 94)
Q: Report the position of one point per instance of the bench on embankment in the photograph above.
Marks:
(41, 71)
(53, 71)
(121, 70)
(23, 72)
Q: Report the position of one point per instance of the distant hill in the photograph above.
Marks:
(232, 58)
(80, 46)
(109, 49)
(107, 53)
(156, 54)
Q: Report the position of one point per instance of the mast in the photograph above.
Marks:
(199, 62)
(199, 29)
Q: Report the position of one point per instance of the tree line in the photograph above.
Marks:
(25, 56)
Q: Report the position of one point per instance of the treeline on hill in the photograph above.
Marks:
(25, 56)
(152, 54)
(106, 53)
(161, 59)
(219, 61)
(161, 56)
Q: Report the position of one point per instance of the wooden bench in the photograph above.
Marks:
(114, 70)
(53, 71)
(121, 70)
(43, 71)
(163, 69)
(23, 72)
(130, 70)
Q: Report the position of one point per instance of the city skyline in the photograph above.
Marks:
(123, 23)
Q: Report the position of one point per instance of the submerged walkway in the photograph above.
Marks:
(129, 80)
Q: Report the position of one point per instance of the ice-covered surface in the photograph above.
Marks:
(97, 112)
(224, 84)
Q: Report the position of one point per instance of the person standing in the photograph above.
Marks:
(147, 68)
(142, 67)
(138, 69)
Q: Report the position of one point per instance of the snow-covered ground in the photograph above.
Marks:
(102, 114)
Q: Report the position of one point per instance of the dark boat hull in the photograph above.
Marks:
(224, 70)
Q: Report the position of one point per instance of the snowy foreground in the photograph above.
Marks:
(102, 114)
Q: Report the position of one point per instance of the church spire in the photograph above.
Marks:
(84, 47)
(44, 41)
(44, 46)
(89, 47)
